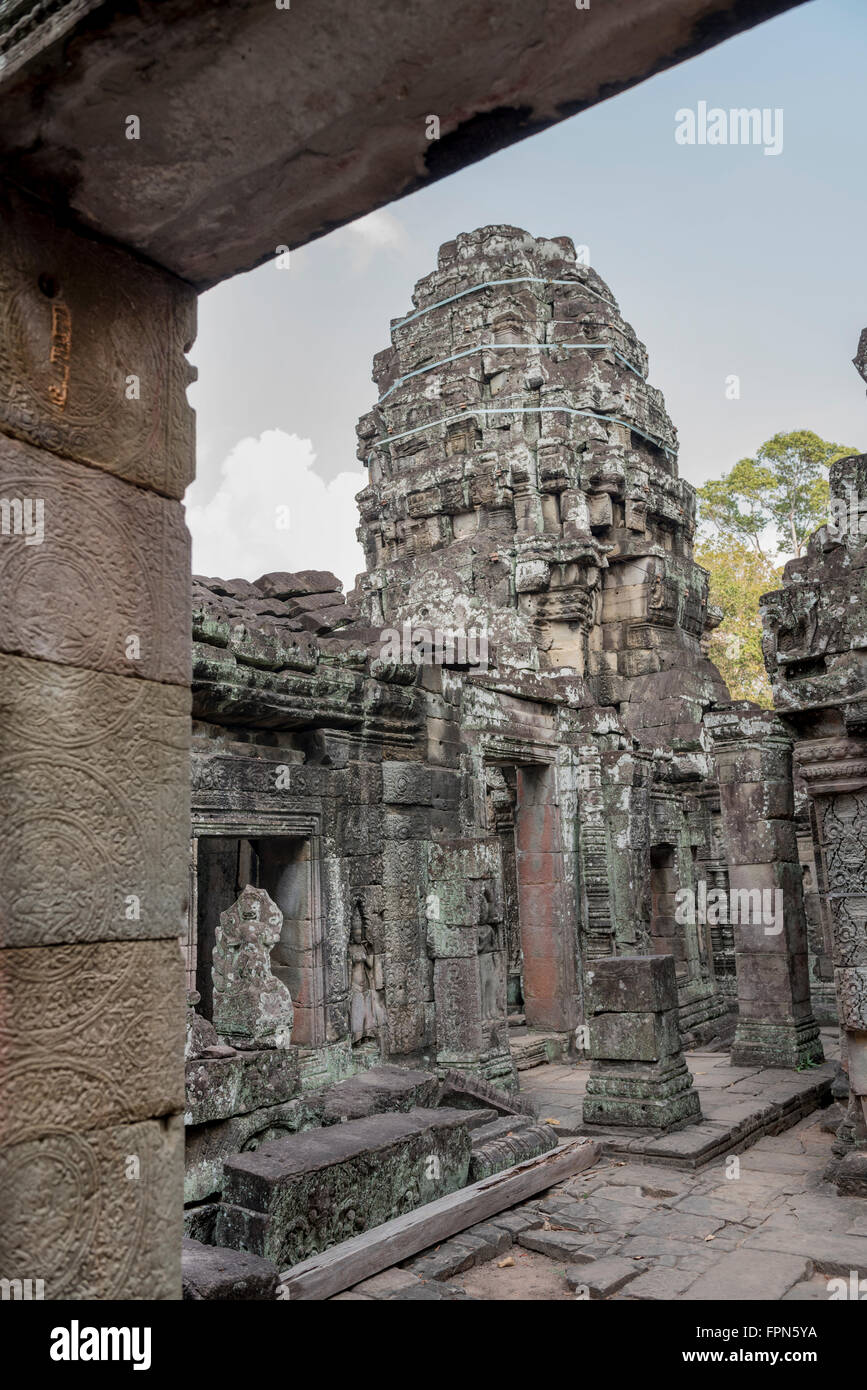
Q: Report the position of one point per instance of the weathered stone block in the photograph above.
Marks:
(296, 1196)
(625, 984)
(218, 1087)
(94, 1036)
(212, 1272)
(107, 585)
(378, 1090)
(406, 783)
(637, 1036)
(209, 1145)
(95, 813)
(96, 1214)
(655, 1095)
(93, 352)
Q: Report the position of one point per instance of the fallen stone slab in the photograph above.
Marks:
(747, 1274)
(376, 1091)
(462, 1090)
(558, 1245)
(294, 1197)
(396, 1240)
(220, 1087)
(213, 1272)
(499, 1128)
(602, 1277)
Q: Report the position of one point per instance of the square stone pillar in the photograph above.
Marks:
(466, 939)
(753, 754)
(638, 1075)
(96, 449)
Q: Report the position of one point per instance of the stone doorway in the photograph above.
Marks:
(540, 921)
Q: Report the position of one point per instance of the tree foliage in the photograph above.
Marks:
(738, 578)
(760, 512)
(775, 501)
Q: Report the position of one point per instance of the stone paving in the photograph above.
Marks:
(759, 1224)
(764, 1228)
(739, 1105)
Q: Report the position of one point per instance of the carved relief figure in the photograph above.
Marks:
(366, 1014)
(252, 1008)
(488, 946)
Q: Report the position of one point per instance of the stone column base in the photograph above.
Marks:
(647, 1095)
(788, 1045)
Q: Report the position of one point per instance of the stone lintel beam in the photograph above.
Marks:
(261, 127)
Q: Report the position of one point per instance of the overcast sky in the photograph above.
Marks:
(727, 261)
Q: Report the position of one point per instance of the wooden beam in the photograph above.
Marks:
(363, 1256)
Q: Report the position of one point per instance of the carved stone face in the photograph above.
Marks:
(356, 935)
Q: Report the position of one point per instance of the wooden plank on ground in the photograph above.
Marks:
(363, 1256)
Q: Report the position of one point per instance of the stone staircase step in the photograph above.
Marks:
(536, 1049)
(463, 1089)
(521, 1144)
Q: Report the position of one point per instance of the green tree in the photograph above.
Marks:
(776, 500)
(764, 509)
(739, 575)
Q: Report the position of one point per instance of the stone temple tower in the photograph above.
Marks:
(523, 474)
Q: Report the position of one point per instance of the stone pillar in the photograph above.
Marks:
(753, 753)
(458, 923)
(96, 450)
(638, 1075)
(835, 774)
(407, 796)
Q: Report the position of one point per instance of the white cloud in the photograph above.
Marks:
(377, 231)
(242, 531)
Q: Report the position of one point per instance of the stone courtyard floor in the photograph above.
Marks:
(756, 1224)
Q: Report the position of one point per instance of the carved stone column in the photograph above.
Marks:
(96, 450)
(753, 752)
(835, 773)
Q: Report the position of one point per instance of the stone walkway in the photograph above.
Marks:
(739, 1105)
(759, 1224)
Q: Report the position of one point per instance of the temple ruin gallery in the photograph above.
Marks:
(473, 795)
